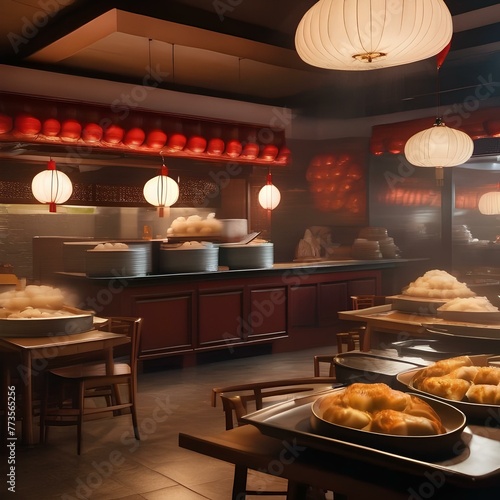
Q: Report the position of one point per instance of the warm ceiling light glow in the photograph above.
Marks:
(51, 186)
(489, 203)
(439, 146)
(161, 191)
(269, 195)
(372, 34)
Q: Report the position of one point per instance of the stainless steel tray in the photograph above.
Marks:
(476, 458)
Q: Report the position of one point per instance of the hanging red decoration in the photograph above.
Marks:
(441, 56)
(27, 125)
(196, 144)
(134, 137)
(51, 127)
(215, 146)
(156, 139)
(269, 152)
(92, 132)
(6, 123)
(71, 130)
(234, 148)
(113, 134)
(176, 142)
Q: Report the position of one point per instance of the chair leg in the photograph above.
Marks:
(239, 482)
(79, 421)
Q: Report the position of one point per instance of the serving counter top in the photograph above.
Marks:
(315, 267)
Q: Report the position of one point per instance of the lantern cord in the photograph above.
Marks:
(149, 57)
(437, 93)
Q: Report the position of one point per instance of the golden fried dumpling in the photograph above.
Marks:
(445, 387)
(349, 417)
(484, 394)
(402, 424)
(487, 375)
(373, 397)
(441, 367)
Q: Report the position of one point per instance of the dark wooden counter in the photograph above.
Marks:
(287, 307)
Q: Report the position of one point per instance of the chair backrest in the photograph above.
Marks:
(235, 399)
(364, 301)
(132, 327)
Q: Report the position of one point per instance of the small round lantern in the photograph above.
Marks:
(51, 186)
(269, 195)
(489, 203)
(161, 191)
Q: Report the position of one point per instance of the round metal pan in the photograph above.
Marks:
(438, 446)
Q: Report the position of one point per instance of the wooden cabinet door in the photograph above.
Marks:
(221, 317)
(332, 298)
(167, 322)
(267, 312)
(303, 300)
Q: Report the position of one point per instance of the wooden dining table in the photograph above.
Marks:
(352, 471)
(34, 355)
(386, 325)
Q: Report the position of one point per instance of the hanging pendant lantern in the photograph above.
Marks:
(489, 203)
(161, 191)
(371, 34)
(269, 195)
(51, 186)
(439, 146)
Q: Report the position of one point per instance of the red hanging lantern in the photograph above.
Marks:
(92, 133)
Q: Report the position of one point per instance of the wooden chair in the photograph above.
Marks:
(351, 340)
(239, 400)
(68, 388)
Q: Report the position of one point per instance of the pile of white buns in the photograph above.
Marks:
(469, 304)
(458, 379)
(437, 284)
(380, 409)
(35, 301)
(194, 225)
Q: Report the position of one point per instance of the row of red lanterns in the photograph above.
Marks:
(71, 130)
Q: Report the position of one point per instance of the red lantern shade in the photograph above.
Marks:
(250, 151)
(196, 144)
(269, 152)
(113, 134)
(176, 142)
(284, 155)
(134, 137)
(27, 125)
(71, 130)
(156, 139)
(233, 148)
(51, 127)
(215, 146)
(6, 123)
(92, 133)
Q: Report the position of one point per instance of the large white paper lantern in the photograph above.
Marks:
(51, 186)
(161, 191)
(371, 34)
(439, 146)
(489, 203)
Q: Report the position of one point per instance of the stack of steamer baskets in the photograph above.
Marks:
(188, 257)
(119, 259)
(374, 243)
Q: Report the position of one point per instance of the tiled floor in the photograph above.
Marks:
(115, 466)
